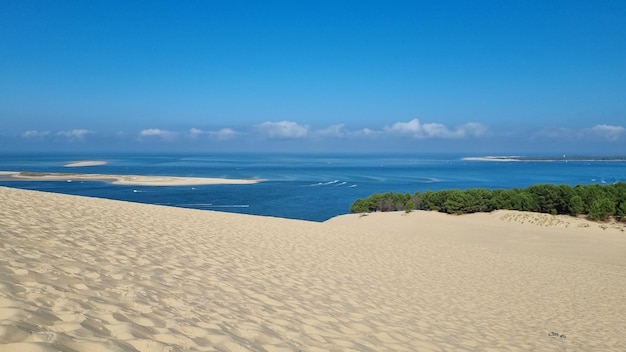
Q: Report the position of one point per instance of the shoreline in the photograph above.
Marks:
(516, 158)
(129, 180)
(84, 163)
(491, 158)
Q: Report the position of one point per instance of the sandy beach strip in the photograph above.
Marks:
(85, 163)
(134, 180)
(84, 274)
(492, 158)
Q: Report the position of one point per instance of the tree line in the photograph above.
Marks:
(597, 202)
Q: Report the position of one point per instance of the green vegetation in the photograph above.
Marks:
(596, 201)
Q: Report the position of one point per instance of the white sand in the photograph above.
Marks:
(86, 163)
(132, 179)
(98, 275)
(490, 158)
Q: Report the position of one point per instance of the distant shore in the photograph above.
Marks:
(492, 158)
(84, 163)
(135, 180)
(508, 158)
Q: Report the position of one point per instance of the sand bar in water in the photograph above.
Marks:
(86, 163)
(127, 179)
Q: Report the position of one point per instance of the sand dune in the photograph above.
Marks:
(81, 274)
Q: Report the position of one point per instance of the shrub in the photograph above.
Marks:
(598, 202)
(576, 205)
(601, 209)
(409, 206)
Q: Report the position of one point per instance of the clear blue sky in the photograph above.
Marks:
(423, 76)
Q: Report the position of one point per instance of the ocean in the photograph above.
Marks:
(312, 187)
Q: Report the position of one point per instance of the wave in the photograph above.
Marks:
(324, 183)
(335, 183)
(211, 205)
(230, 206)
(427, 180)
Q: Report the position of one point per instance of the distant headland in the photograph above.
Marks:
(509, 158)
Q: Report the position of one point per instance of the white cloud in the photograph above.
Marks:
(436, 130)
(153, 132)
(416, 129)
(222, 134)
(283, 130)
(335, 131)
(75, 133)
(472, 129)
(35, 134)
(609, 132)
(158, 133)
(411, 127)
(364, 132)
(195, 132)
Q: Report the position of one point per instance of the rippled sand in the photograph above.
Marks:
(83, 274)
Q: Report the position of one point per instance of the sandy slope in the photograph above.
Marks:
(97, 275)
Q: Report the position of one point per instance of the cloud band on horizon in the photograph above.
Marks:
(290, 130)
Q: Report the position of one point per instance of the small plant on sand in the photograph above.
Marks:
(409, 206)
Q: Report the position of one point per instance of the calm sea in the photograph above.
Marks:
(310, 187)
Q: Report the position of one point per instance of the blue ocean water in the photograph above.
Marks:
(306, 186)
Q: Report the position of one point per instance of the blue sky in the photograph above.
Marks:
(410, 76)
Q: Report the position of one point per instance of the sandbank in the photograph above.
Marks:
(491, 158)
(135, 180)
(564, 158)
(82, 274)
(86, 163)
